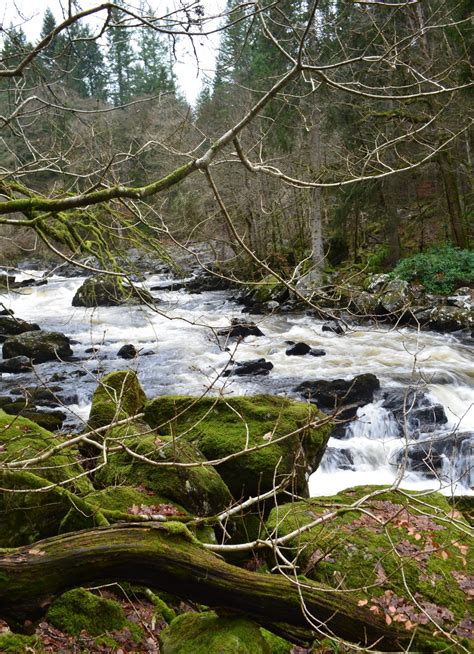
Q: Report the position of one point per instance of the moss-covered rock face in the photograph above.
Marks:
(128, 500)
(224, 427)
(199, 489)
(406, 556)
(118, 396)
(22, 439)
(106, 291)
(79, 609)
(206, 633)
(28, 517)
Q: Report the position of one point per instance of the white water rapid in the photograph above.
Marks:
(181, 354)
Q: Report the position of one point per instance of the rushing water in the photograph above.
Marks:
(181, 354)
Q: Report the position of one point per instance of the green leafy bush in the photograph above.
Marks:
(441, 270)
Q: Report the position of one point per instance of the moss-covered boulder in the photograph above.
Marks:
(22, 439)
(122, 501)
(199, 488)
(78, 610)
(119, 395)
(39, 346)
(206, 633)
(224, 427)
(26, 517)
(108, 291)
(405, 556)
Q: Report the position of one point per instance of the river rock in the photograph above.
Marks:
(10, 326)
(104, 291)
(334, 328)
(394, 297)
(329, 395)
(298, 349)
(16, 365)
(128, 351)
(413, 410)
(39, 346)
(451, 318)
(240, 329)
(253, 367)
(450, 456)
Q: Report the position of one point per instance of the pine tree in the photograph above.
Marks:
(155, 73)
(85, 63)
(121, 62)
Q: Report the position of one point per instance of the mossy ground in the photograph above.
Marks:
(78, 610)
(11, 643)
(405, 556)
(224, 427)
(206, 633)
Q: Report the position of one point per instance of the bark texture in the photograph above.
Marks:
(167, 557)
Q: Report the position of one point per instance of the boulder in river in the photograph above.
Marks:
(38, 345)
(298, 349)
(10, 326)
(16, 365)
(105, 291)
(240, 329)
(252, 367)
(334, 328)
(128, 351)
(337, 393)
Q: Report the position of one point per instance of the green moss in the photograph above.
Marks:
(162, 609)
(277, 645)
(121, 499)
(28, 517)
(22, 439)
(221, 428)
(206, 633)
(199, 490)
(400, 541)
(118, 396)
(79, 609)
(18, 644)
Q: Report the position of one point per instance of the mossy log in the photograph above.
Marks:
(167, 557)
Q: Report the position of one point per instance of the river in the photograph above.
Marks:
(181, 354)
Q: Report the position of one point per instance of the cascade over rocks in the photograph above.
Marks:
(38, 345)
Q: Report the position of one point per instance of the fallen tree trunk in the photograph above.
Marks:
(166, 557)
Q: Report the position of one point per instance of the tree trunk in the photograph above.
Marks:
(453, 199)
(166, 557)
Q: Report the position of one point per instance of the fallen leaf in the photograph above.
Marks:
(388, 619)
(362, 602)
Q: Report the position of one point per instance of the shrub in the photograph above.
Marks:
(440, 270)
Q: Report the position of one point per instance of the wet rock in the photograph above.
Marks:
(39, 346)
(10, 326)
(6, 281)
(253, 367)
(315, 352)
(240, 329)
(202, 283)
(334, 328)
(104, 291)
(16, 365)
(445, 457)
(298, 349)
(451, 319)
(413, 410)
(25, 283)
(128, 351)
(329, 395)
(394, 297)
